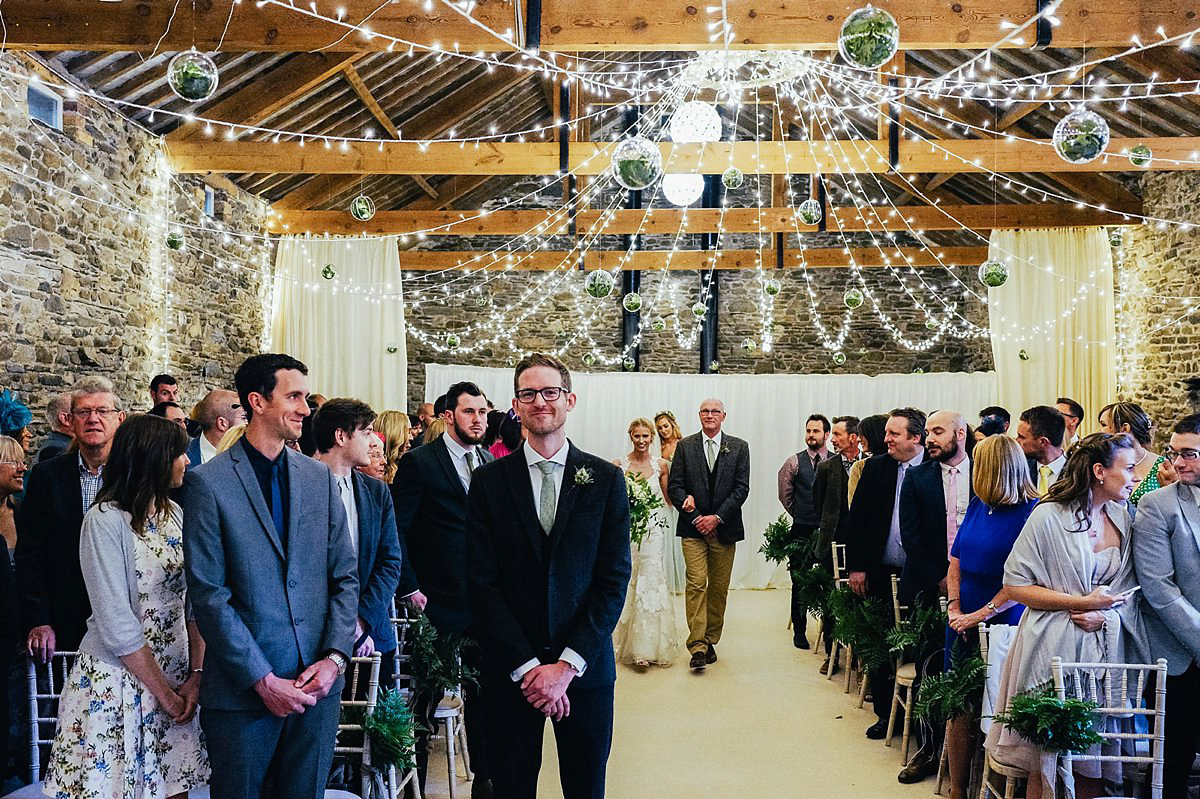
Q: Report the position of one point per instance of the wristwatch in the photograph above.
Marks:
(339, 660)
(992, 607)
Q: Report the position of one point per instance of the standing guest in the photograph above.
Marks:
(1166, 557)
(709, 483)
(233, 436)
(428, 413)
(416, 428)
(54, 600)
(829, 497)
(127, 717)
(993, 421)
(1071, 567)
(1040, 432)
(12, 483)
(271, 571)
(874, 550)
(393, 425)
(376, 466)
(492, 434)
(172, 413)
(164, 388)
(512, 434)
(669, 434)
(219, 412)
(58, 419)
(425, 414)
(1149, 473)
(1073, 414)
(15, 419)
(549, 564)
(430, 495)
(646, 631)
(1004, 498)
(870, 433)
(795, 480)
(306, 444)
(434, 431)
(342, 429)
(315, 401)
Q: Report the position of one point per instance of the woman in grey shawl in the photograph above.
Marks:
(1072, 568)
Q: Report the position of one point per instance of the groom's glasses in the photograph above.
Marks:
(549, 394)
(1186, 454)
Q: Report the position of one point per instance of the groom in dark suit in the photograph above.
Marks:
(549, 564)
(430, 495)
(710, 479)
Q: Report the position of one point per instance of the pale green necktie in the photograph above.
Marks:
(547, 501)
(710, 452)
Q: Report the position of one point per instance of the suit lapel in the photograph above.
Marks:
(442, 455)
(368, 521)
(1191, 511)
(522, 491)
(245, 472)
(292, 464)
(566, 499)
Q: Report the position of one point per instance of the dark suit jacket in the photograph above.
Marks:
(829, 498)
(721, 492)
(431, 517)
(193, 453)
(262, 609)
(378, 558)
(534, 595)
(923, 531)
(865, 531)
(49, 578)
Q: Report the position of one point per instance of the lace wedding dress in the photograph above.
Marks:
(647, 631)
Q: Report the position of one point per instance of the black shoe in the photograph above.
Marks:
(919, 768)
(711, 657)
(481, 789)
(877, 731)
(698, 661)
(800, 643)
(825, 667)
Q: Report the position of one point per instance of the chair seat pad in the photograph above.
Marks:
(907, 673)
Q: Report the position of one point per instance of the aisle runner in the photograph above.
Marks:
(767, 410)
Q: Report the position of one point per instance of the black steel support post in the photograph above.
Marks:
(533, 25)
(631, 279)
(709, 285)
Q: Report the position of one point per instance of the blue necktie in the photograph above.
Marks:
(277, 506)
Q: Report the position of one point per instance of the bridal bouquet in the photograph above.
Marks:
(642, 504)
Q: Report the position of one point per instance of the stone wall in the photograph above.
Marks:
(88, 284)
(1158, 281)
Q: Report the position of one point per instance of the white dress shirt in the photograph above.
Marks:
(346, 489)
(716, 449)
(1056, 466)
(559, 459)
(458, 456)
(207, 450)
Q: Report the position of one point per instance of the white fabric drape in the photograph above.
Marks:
(768, 411)
(341, 335)
(1057, 307)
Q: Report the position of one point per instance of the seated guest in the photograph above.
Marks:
(1040, 433)
(12, 483)
(163, 388)
(975, 593)
(870, 435)
(1167, 562)
(216, 414)
(1072, 413)
(127, 724)
(54, 601)
(172, 413)
(58, 419)
(1128, 417)
(393, 426)
(1071, 569)
(342, 431)
(15, 419)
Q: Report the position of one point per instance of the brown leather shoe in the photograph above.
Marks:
(711, 657)
(920, 767)
(698, 661)
(824, 667)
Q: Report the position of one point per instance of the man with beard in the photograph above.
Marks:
(429, 492)
(933, 502)
(830, 492)
(796, 478)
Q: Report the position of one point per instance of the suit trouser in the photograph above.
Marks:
(882, 680)
(515, 732)
(245, 746)
(708, 563)
(1182, 731)
(798, 563)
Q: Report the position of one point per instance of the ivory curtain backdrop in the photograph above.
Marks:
(342, 336)
(1068, 356)
(768, 411)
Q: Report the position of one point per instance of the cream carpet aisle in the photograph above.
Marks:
(758, 724)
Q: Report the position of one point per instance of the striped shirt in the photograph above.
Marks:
(89, 484)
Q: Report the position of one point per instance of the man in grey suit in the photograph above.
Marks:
(1166, 557)
(272, 581)
(709, 482)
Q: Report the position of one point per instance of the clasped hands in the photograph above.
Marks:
(285, 697)
(1091, 618)
(181, 703)
(545, 687)
(707, 525)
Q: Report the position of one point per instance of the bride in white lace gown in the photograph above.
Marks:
(646, 633)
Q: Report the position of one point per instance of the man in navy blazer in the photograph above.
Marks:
(216, 414)
(549, 564)
(272, 581)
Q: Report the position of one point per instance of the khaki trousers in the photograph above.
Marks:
(708, 563)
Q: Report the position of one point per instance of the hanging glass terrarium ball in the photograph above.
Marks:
(1140, 155)
(362, 208)
(636, 163)
(329, 273)
(715, 366)
(392, 349)
(917, 370)
(839, 357)
(192, 76)
(993, 273)
(732, 178)
(628, 363)
(699, 310)
(598, 283)
(695, 121)
(658, 325)
(589, 359)
(175, 240)
(749, 345)
(772, 287)
(869, 38)
(932, 324)
(683, 189)
(1080, 137)
(809, 211)
(452, 340)
(1116, 237)
(632, 302)
(853, 298)
(1023, 355)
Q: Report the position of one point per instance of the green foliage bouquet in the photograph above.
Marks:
(393, 733)
(949, 695)
(642, 504)
(778, 543)
(1056, 725)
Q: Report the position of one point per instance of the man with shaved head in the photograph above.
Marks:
(710, 479)
(933, 502)
(216, 414)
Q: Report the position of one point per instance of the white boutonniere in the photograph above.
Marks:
(583, 476)
(724, 449)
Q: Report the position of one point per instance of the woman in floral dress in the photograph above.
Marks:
(127, 726)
